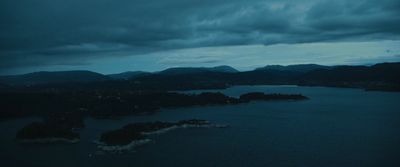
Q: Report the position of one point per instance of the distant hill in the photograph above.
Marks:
(226, 69)
(128, 75)
(383, 76)
(303, 68)
(191, 70)
(52, 77)
(384, 72)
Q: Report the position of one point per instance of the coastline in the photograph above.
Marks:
(134, 143)
(127, 147)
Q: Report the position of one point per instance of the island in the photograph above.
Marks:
(43, 132)
(57, 127)
(134, 134)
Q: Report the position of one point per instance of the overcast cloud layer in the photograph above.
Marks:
(38, 33)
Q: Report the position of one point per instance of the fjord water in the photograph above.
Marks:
(336, 127)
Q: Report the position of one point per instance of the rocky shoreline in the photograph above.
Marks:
(133, 135)
(120, 148)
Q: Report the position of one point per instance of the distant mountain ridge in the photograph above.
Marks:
(382, 76)
(44, 77)
(375, 75)
(81, 76)
(303, 68)
(128, 75)
(188, 70)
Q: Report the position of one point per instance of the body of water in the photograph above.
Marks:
(337, 127)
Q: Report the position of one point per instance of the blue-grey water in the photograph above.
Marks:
(336, 128)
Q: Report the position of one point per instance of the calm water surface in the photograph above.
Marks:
(336, 128)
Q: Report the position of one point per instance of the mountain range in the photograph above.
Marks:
(295, 68)
(383, 76)
(45, 77)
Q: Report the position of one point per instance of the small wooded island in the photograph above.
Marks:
(39, 132)
(56, 127)
(134, 134)
(60, 125)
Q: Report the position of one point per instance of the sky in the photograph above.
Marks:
(111, 36)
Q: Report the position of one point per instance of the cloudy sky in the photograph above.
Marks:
(110, 36)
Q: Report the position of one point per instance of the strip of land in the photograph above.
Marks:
(135, 134)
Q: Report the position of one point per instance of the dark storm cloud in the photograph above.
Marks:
(35, 32)
(358, 18)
